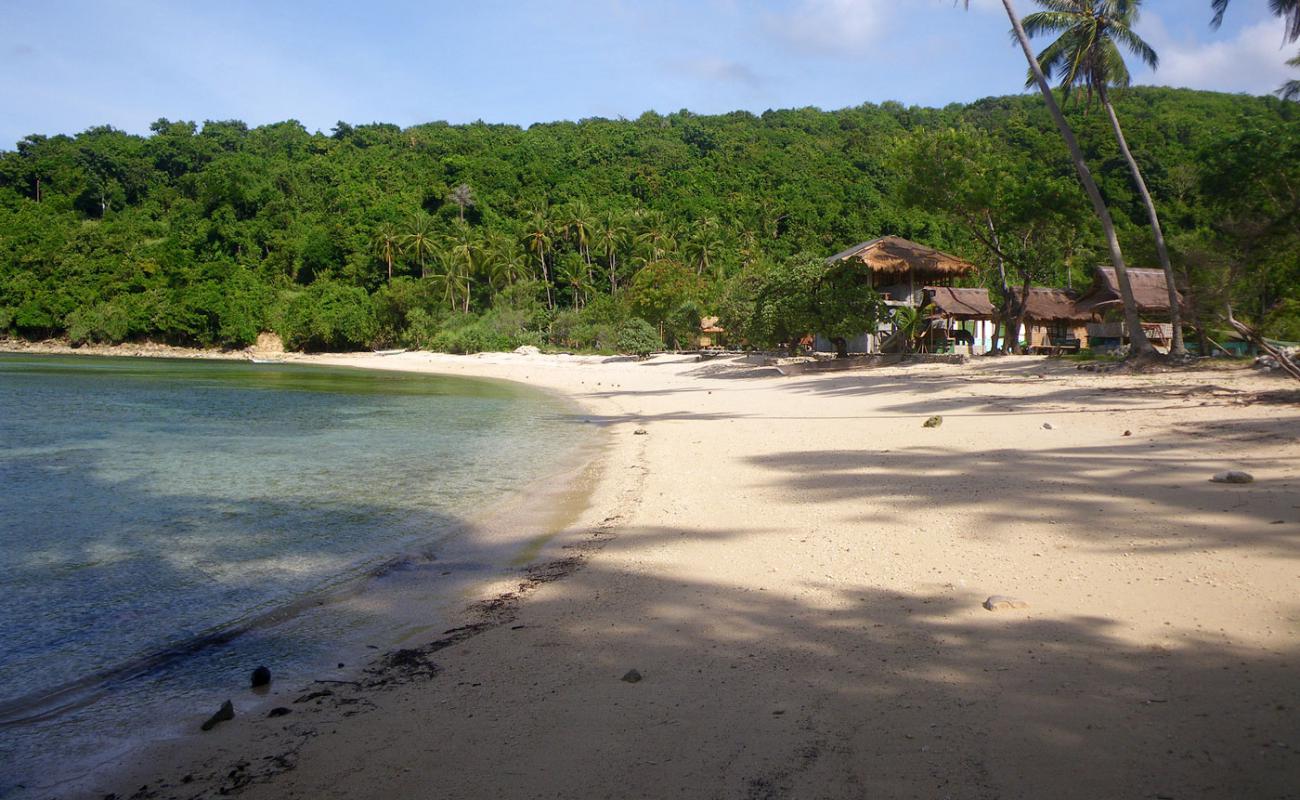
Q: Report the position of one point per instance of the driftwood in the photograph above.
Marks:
(1253, 336)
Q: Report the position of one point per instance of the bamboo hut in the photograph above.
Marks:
(901, 269)
(964, 317)
(1103, 303)
(1053, 321)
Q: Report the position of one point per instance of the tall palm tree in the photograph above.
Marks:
(611, 233)
(463, 197)
(1087, 54)
(465, 254)
(578, 224)
(537, 235)
(1140, 344)
(704, 246)
(388, 241)
(502, 259)
(420, 239)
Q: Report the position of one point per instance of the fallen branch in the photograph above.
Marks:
(1253, 336)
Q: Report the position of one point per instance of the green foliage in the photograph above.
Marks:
(638, 337)
(1283, 321)
(328, 316)
(207, 235)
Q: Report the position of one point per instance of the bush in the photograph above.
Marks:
(638, 337)
(328, 316)
(478, 336)
(107, 323)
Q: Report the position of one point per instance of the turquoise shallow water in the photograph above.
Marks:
(163, 522)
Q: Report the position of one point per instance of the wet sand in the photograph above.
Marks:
(796, 567)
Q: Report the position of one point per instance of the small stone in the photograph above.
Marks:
(279, 711)
(1047, 426)
(933, 422)
(639, 432)
(632, 676)
(1128, 433)
(226, 712)
(999, 602)
(1233, 476)
(261, 677)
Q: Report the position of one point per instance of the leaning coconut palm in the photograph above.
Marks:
(1291, 89)
(1088, 54)
(1140, 345)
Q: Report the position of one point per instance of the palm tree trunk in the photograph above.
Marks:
(1137, 338)
(1177, 347)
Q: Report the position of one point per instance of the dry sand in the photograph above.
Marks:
(796, 567)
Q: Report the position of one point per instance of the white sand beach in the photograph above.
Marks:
(796, 568)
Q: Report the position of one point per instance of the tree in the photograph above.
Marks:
(388, 241)
(464, 254)
(1291, 89)
(420, 239)
(611, 233)
(463, 197)
(1140, 345)
(1088, 54)
(538, 237)
(804, 295)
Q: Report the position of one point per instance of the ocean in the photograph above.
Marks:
(167, 525)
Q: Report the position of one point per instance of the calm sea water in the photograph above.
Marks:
(166, 524)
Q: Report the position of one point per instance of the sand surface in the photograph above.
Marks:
(796, 568)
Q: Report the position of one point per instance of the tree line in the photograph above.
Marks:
(582, 235)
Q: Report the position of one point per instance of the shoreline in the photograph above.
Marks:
(546, 505)
(797, 568)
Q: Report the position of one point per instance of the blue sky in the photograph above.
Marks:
(65, 66)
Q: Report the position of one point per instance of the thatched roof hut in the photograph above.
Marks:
(960, 303)
(1150, 291)
(1047, 305)
(897, 256)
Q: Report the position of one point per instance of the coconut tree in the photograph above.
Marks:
(465, 252)
(463, 197)
(1087, 54)
(610, 234)
(502, 260)
(578, 226)
(420, 239)
(1140, 344)
(388, 241)
(1291, 89)
(537, 236)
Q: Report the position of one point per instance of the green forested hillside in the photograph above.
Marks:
(562, 233)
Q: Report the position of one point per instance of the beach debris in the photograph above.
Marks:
(261, 677)
(1000, 602)
(933, 422)
(632, 676)
(226, 712)
(1128, 433)
(639, 432)
(1233, 476)
(279, 711)
(1047, 426)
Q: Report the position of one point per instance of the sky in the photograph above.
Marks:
(66, 65)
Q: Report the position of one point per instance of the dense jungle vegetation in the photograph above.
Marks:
(607, 234)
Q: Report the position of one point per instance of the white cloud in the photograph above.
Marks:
(839, 27)
(1252, 61)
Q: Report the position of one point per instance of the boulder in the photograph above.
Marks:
(1233, 476)
(632, 676)
(527, 350)
(261, 677)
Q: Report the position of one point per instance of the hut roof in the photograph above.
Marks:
(1045, 303)
(1150, 290)
(968, 303)
(710, 325)
(894, 254)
